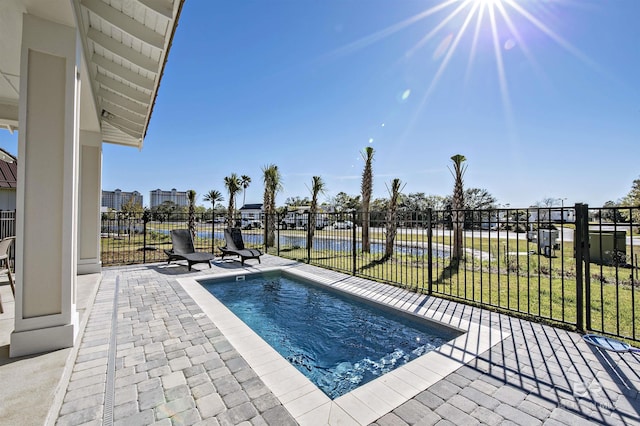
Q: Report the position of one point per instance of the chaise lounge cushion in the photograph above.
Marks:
(235, 246)
(183, 249)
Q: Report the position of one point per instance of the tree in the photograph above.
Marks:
(343, 202)
(317, 187)
(272, 185)
(392, 217)
(233, 185)
(457, 205)
(297, 201)
(164, 211)
(131, 209)
(213, 196)
(191, 196)
(378, 211)
(632, 199)
(244, 182)
(612, 213)
(366, 189)
(547, 202)
(478, 199)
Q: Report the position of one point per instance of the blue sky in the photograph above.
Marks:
(543, 104)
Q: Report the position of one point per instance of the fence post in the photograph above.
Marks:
(265, 231)
(429, 251)
(277, 225)
(145, 217)
(353, 240)
(213, 230)
(586, 256)
(578, 247)
(309, 236)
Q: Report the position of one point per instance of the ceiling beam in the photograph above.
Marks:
(8, 111)
(111, 134)
(124, 102)
(157, 6)
(124, 126)
(123, 89)
(123, 112)
(125, 73)
(125, 23)
(123, 51)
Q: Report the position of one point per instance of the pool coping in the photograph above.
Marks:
(303, 399)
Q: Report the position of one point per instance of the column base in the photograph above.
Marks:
(47, 339)
(89, 266)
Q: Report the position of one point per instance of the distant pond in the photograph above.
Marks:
(330, 244)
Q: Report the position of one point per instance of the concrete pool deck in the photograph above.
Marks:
(169, 363)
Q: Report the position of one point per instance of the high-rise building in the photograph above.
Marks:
(116, 199)
(158, 196)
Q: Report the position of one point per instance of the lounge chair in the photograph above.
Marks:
(235, 246)
(183, 249)
(5, 244)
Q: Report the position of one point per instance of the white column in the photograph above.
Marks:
(46, 224)
(90, 200)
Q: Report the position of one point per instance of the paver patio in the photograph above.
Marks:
(170, 364)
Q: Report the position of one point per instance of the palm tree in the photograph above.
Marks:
(233, 184)
(272, 185)
(191, 196)
(367, 189)
(457, 206)
(392, 217)
(244, 182)
(317, 187)
(214, 196)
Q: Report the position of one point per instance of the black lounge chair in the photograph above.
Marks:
(5, 244)
(183, 249)
(235, 246)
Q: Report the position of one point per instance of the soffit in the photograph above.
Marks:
(125, 44)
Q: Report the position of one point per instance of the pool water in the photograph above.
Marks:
(337, 342)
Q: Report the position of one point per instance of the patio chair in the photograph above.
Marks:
(183, 249)
(5, 244)
(609, 344)
(235, 246)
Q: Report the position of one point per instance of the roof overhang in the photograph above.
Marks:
(125, 45)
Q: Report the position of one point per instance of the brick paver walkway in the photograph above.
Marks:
(167, 363)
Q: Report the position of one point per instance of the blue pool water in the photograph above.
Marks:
(337, 342)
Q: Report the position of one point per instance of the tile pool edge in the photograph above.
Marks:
(306, 402)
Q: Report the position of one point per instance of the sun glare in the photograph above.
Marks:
(492, 22)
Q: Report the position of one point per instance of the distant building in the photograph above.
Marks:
(251, 211)
(116, 199)
(8, 174)
(158, 196)
(553, 214)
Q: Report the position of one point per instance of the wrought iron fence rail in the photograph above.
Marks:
(576, 265)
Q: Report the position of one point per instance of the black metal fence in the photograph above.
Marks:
(141, 238)
(576, 265)
(573, 265)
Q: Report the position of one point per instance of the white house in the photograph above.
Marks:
(252, 212)
(8, 179)
(74, 74)
(552, 214)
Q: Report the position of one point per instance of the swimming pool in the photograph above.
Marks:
(301, 397)
(337, 342)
